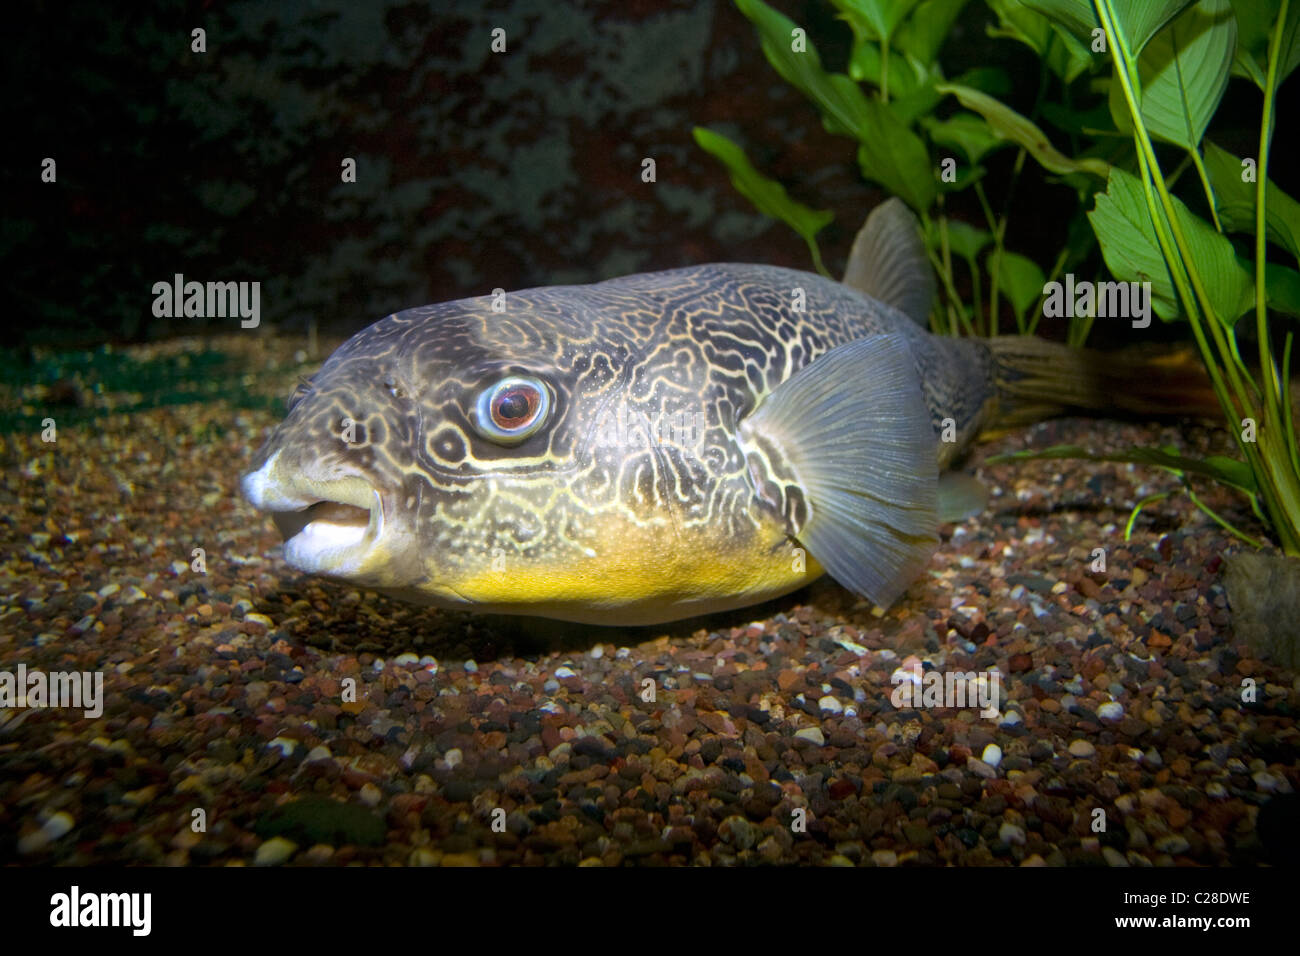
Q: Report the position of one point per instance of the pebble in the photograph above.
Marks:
(812, 735)
(738, 832)
(1081, 748)
(992, 755)
(1111, 710)
(283, 744)
(57, 825)
(406, 658)
(1172, 844)
(1270, 782)
(980, 768)
(319, 752)
(1113, 857)
(562, 672)
(453, 757)
(370, 795)
(829, 705)
(1011, 833)
(884, 858)
(274, 852)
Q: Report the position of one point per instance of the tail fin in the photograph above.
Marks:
(1037, 379)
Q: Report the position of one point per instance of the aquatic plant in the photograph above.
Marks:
(1115, 79)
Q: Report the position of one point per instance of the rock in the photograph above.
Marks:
(992, 755)
(57, 825)
(406, 659)
(1113, 857)
(829, 705)
(739, 832)
(283, 744)
(274, 852)
(562, 672)
(1081, 748)
(319, 752)
(1111, 710)
(811, 734)
(453, 757)
(370, 795)
(1172, 844)
(980, 768)
(884, 858)
(1264, 593)
(1011, 833)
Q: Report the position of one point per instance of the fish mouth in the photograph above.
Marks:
(328, 527)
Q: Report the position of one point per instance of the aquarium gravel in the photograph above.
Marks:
(476, 741)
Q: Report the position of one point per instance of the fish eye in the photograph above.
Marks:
(512, 409)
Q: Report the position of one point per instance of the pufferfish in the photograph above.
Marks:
(651, 447)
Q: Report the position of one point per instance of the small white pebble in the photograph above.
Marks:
(1011, 719)
(406, 658)
(884, 858)
(319, 752)
(370, 794)
(283, 744)
(812, 735)
(830, 705)
(453, 757)
(563, 671)
(1011, 833)
(992, 755)
(471, 667)
(1111, 710)
(1269, 782)
(598, 652)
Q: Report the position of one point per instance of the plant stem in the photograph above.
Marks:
(1195, 155)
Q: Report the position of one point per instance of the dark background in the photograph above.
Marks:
(475, 170)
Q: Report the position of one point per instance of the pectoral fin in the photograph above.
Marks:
(852, 432)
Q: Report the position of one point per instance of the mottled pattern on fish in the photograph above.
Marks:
(639, 464)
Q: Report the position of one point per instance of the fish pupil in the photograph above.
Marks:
(513, 408)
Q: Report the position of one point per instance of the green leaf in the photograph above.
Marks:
(992, 80)
(767, 195)
(1022, 279)
(1066, 57)
(894, 156)
(877, 19)
(1255, 20)
(1019, 129)
(904, 78)
(965, 240)
(967, 133)
(1282, 284)
(1234, 200)
(1184, 71)
(1128, 241)
(1229, 471)
(1139, 19)
(840, 100)
(922, 35)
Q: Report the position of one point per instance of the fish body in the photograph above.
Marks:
(637, 450)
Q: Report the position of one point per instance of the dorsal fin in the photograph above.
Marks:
(888, 261)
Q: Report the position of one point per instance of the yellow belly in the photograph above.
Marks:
(646, 574)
